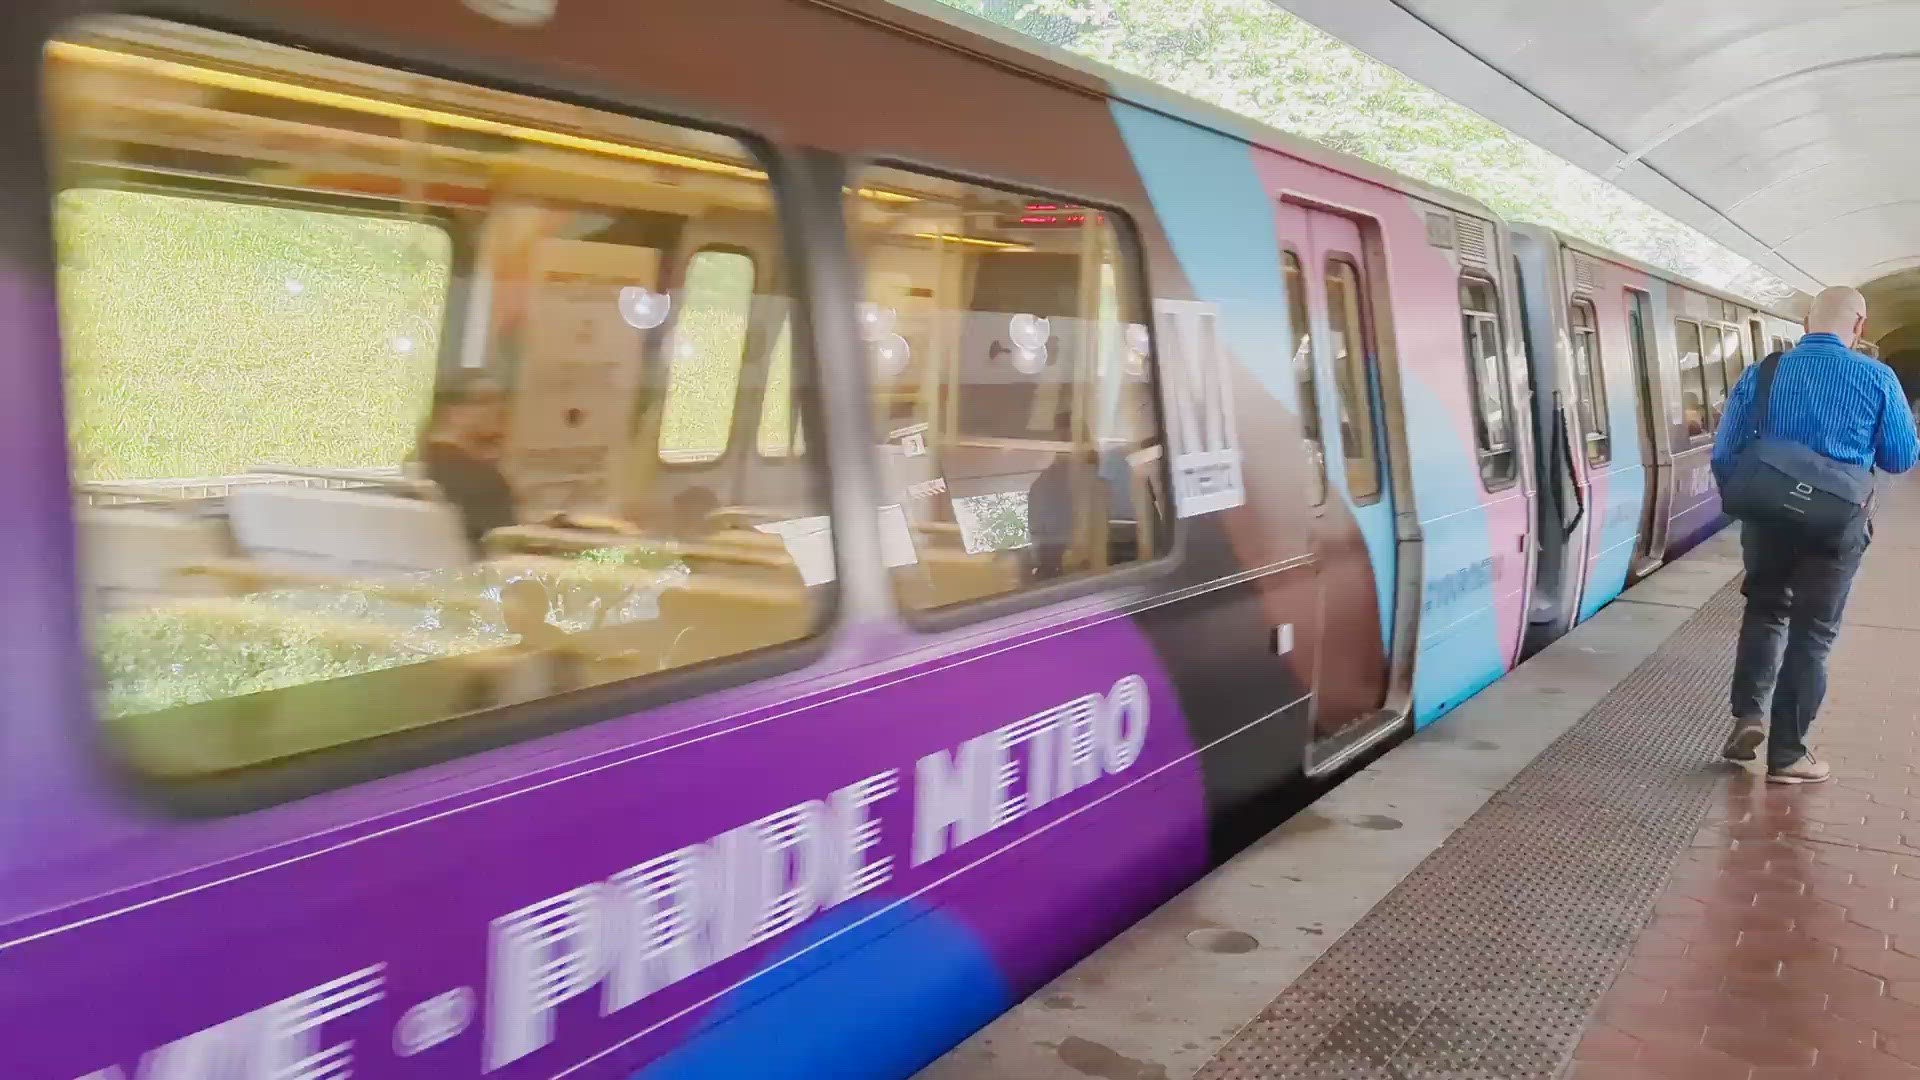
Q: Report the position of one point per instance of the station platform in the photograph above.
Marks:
(1562, 879)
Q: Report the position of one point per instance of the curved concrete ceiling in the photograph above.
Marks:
(1781, 128)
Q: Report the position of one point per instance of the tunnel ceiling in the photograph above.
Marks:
(1784, 129)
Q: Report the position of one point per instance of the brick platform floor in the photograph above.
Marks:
(1787, 942)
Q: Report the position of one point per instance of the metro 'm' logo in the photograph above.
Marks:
(1203, 435)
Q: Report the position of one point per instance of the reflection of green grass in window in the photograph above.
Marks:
(159, 659)
(206, 337)
(633, 556)
(153, 660)
(709, 341)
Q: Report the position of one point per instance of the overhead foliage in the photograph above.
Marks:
(1252, 58)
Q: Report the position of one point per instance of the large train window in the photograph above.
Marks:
(1693, 384)
(1590, 382)
(1487, 372)
(1303, 373)
(1350, 345)
(371, 377)
(1011, 357)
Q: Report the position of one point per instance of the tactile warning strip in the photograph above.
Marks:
(1488, 958)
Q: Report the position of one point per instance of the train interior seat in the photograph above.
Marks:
(139, 556)
(357, 534)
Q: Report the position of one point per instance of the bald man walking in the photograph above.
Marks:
(1848, 408)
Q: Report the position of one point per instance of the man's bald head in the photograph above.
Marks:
(1839, 311)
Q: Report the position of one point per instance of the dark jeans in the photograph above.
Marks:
(1795, 595)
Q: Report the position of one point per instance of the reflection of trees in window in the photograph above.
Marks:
(996, 522)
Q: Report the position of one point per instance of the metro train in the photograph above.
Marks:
(738, 539)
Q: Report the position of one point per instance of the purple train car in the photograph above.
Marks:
(727, 539)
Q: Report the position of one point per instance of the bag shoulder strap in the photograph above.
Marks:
(1763, 392)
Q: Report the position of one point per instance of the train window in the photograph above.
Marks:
(1591, 382)
(1693, 386)
(1303, 373)
(703, 360)
(1759, 340)
(1350, 346)
(370, 378)
(1014, 402)
(1714, 369)
(1487, 371)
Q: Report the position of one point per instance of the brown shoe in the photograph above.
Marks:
(1808, 770)
(1748, 733)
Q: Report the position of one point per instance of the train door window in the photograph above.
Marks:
(1303, 372)
(1713, 367)
(1693, 385)
(368, 376)
(1591, 382)
(1487, 372)
(703, 359)
(1735, 354)
(1014, 401)
(1639, 327)
(1350, 345)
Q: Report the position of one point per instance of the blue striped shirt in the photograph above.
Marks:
(1830, 399)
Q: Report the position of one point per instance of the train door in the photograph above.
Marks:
(1303, 329)
(1653, 523)
(1353, 532)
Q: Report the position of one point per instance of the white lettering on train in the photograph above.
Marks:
(649, 926)
(980, 786)
(663, 920)
(281, 1040)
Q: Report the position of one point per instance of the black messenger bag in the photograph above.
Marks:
(1774, 483)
